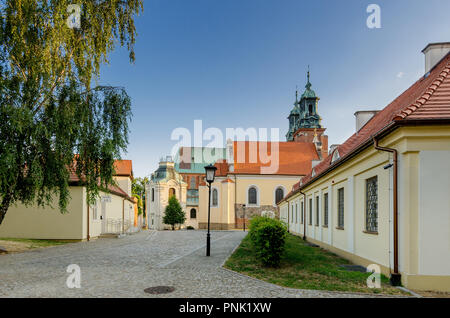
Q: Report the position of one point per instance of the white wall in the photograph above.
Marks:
(434, 213)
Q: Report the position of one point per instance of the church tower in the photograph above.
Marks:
(305, 121)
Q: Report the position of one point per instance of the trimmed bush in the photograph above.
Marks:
(268, 237)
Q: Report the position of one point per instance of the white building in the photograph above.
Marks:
(165, 182)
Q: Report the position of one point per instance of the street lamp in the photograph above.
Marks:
(243, 206)
(210, 174)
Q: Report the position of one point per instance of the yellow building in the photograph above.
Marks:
(112, 214)
(249, 185)
(383, 196)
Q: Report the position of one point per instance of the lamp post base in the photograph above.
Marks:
(208, 244)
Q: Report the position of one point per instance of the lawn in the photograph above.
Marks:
(305, 267)
(13, 245)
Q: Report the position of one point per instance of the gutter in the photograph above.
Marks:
(395, 276)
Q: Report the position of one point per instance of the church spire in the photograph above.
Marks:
(308, 84)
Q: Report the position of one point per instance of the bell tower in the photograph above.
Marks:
(305, 121)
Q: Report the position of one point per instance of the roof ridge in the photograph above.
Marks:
(431, 89)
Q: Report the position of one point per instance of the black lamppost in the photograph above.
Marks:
(243, 207)
(210, 175)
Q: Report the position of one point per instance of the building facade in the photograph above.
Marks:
(190, 163)
(245, 187)
(382, 196)
(164, 183)
(113, 212)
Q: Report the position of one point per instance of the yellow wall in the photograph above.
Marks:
(424, 175)
(236, 192)
(48, 223)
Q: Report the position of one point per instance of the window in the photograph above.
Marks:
(193, 213)
(193, 183)
(279, 195)
(310, 109)
(153, 194)
(94, 211)
(325, 209)
(310, 211)
(252, 196)
(341, 208)
(171, 192)
(372, 204)
(336, 156)
(317, 211)
(296, 213)
(215, 197)
(302, 212)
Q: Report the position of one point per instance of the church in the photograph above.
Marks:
(243, 189)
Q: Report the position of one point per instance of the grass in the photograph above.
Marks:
(305, 267)
(33, 243)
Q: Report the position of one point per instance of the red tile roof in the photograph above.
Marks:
(123, 168)
(427, 100)
(294, 158)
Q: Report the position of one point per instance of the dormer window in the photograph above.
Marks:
(313, 173)
(336, 156)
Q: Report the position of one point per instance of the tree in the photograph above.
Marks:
(138, 191)
(174, 214)
(52, 122)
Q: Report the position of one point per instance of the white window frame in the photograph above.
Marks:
(275, 194)
(258, 195)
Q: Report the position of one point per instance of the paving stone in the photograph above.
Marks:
(125, 268)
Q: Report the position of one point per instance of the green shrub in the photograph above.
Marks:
(268, 237)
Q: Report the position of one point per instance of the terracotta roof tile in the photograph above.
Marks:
(427, 99)
(123, 168)
(294, 157)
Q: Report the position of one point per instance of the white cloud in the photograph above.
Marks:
(400, 75)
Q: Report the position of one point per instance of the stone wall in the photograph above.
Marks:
(249, 212)
(216, 226)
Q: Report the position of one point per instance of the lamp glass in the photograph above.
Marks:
(210, 173)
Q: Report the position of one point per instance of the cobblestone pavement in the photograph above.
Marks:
(125, 267)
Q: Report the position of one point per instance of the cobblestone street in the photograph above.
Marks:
(125, 267)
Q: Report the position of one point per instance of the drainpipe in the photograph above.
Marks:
(395, 276)
(304, 214)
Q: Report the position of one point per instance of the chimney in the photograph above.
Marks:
(434, 53)
(363, 117)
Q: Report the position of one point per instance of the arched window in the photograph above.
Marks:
(193, 183)
(171, 192)
(153, 194)
(215, 197)
(252, 196)
(193, 213)
(310, 109)
(279, 195)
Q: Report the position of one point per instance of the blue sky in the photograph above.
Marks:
(236, 63)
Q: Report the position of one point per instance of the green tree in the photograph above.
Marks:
(138, 190)
(174, 214)
(48, 109)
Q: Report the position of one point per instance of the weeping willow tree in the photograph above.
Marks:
(53, 120)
